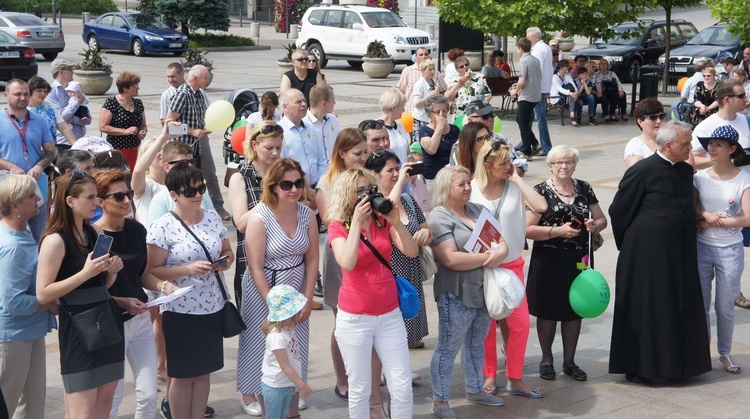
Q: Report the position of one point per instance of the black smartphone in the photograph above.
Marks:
(102, 246)
(417, 169)
(576, 224)
(220, 263)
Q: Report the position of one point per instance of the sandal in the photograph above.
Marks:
(742, 302)
(575, 373)
(547, 371)
(729, 366)
(379, 407)
(574, 122)
(624, 117)
(614, 118)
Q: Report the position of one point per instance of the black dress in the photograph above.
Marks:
(552, 267)
(82, 370)
(305, 85)
(123, 118)
(659, 328)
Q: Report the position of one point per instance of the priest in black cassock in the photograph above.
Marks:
(659, 328)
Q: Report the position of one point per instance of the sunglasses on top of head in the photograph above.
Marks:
(286, 185)
(191, 191)
(267, 129)
(75, 177)
(120, 196)
(371, 124)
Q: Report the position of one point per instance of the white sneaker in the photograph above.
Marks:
(415, 376)
(302, 405)
(252, 409)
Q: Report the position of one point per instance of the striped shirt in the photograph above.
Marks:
(190, 105)
(409, 78)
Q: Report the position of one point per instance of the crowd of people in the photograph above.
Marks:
(106, 243)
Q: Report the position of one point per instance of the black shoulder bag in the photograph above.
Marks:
(232, 323)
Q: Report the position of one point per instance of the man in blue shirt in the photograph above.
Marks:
(27, 146)
(300, 141)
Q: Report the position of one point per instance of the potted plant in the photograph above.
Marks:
(94, 72)
(285, 63)
(196, 56)
(377, 63)
(566, 42)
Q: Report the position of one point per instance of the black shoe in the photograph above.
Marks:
(547, 371)
(592, 121)
(166, 413)
(318, 292)
(575, 373)
(633, 378)
(209, 412)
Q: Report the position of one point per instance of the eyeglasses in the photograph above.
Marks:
(267, 129)
(191, 191)
(189, 162)
(76, 176)
(463, 66)
(312, 60)
(120, 196)
(286, 185)
(302, 60)
(370, 124)
(739, 96)
(654, 116)
(708, 75)
(482, 138)
(360, 192)
(561, 163)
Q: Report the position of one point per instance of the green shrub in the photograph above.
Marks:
(224, 40)
(66, 7)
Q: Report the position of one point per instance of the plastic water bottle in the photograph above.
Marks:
(733, 210)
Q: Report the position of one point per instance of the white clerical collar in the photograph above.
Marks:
(665, 158)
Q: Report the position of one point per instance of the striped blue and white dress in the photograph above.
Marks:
(284, 264)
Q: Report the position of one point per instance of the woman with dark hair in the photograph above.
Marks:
(649, 115)
(39, 88)
(314, 64)
(564, 89)
(68, 272)
(183, 246)
(269, 102)
(613, 92)
(284, 250)
(123, 118)
(470, 141)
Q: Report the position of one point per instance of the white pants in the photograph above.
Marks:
(140, 351)
(356, 335)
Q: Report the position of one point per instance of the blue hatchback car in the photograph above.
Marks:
(140, 33)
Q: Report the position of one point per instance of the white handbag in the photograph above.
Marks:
(503, 292)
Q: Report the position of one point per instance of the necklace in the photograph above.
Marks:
(562, 194)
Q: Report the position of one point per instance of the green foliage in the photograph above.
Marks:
(736, 11)
(195, 55)
(147, 6)
(195, 14)
(289, 51)
(376, 49)
(93, 61)
(209, 40)
(66, 7)
(589, 18)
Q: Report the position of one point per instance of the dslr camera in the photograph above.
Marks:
(378, 202)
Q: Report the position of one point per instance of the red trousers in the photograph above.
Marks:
(518, 325)
(131, 155)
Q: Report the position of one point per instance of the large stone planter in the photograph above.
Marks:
(567, 44)
(94, 82)
(475, 60)
(284, 66)
(378, 68)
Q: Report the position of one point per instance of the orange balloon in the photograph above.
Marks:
(408, 121)
(681, 83)
(238, 137)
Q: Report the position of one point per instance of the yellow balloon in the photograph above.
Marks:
(219, 116)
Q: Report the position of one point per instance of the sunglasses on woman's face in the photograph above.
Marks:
(191, 191)
(189, 162)
(120, 196)
(267, 129)
(77, 175)
(286, 185)
(654, 116)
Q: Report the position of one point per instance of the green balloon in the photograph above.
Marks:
(498, 125)
(459, 121)
(589, 294)
(241, 123)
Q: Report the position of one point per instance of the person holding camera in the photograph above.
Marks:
(363, 231)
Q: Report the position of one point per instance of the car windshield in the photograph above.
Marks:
(145, 21)
(621, 38)
(26, 20)
(6, 39)
(386, 19)
(715, 36)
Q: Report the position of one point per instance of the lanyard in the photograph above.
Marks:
(22, 134)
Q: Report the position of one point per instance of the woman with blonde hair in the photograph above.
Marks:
(392, 103)
(498, 187)
(349, 151)
(284, 250)
(262, 149)
(369, 316)
(705, 103)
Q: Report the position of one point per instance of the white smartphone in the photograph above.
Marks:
(178, 129)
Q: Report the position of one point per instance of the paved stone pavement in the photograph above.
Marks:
(714, 394)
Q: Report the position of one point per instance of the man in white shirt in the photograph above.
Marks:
(320, 118)
(732, 100)
(687, 95)
(300, 141)
(543, 53)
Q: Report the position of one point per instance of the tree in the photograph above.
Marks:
(668, 5)
(736, 11)
(195, 14)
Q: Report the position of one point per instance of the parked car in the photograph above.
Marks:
(709, 43)
(139, 33)
(342, 32)
(28, 30)
(16, 61)
(627, 54)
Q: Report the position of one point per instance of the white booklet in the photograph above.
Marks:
(486, 232)
(169, 298)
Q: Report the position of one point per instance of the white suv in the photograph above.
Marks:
(342, 32)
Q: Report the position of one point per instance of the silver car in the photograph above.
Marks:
(30, 31)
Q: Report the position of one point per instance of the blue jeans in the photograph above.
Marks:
(458, 325)
(726, 265)
(540, 111)
(276, 400)
(590, 102)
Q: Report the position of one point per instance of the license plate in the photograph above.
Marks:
(45, 34)
(10, 54)
(177, 45)
(680, 69)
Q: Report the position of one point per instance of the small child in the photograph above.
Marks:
(82, 117)
(282, 361)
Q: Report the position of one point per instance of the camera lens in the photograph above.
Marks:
(380, 204)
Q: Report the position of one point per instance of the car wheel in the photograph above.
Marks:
(317, 50)
(633, 68)
(93, 43)
(50, 56)
(138, 48)
(354, 64)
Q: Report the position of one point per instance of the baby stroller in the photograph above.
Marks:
(245, 102)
